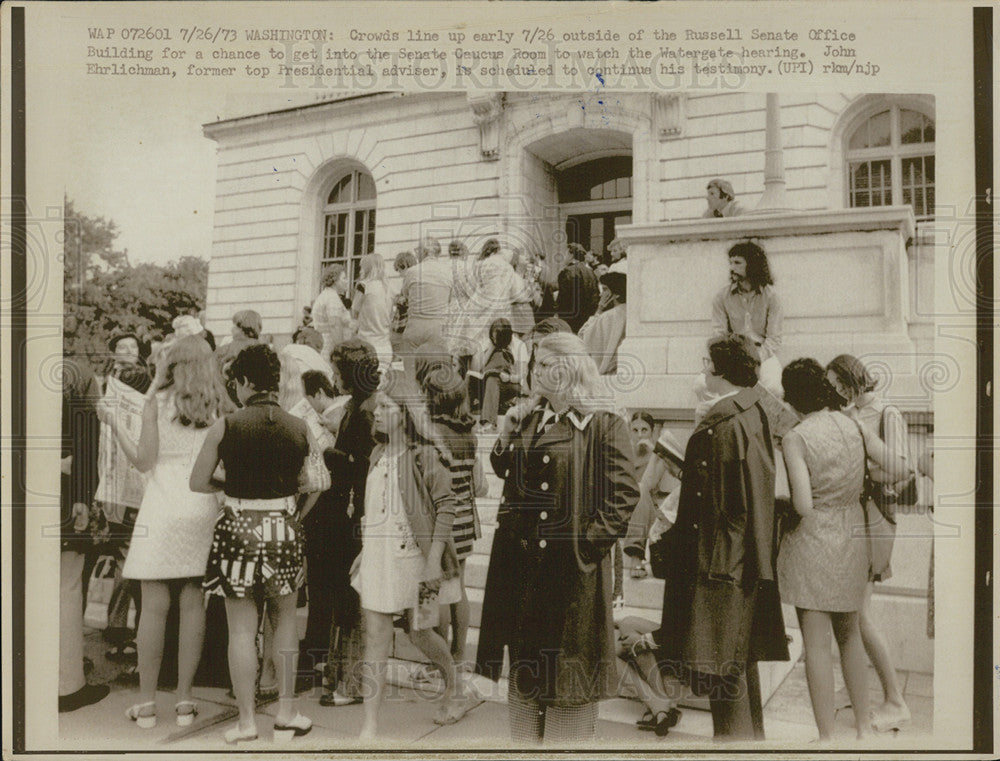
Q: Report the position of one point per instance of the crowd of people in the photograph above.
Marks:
(346, 462)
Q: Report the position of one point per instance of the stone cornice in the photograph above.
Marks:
(307, 113)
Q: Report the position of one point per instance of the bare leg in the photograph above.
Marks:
(149, 638)
(268, 673)
(852, 663)
(378, 642)
(241, 612)
(659, 693)
(878, 654)
(192, 635)
(433, 645)
(815, 626)
(460, 621)
(285, 652)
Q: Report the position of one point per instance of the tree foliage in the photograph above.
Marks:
(104, 294)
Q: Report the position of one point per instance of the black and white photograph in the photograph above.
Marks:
(484, 418)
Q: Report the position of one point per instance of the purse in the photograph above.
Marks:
(880, 543)
(887, 496)
(315, 475)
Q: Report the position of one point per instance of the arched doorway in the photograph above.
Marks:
(595, 197)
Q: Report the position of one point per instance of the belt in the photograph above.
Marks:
(286, 504)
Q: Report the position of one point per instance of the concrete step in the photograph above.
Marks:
(772, 673)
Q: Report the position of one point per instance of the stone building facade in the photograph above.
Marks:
(851, 252)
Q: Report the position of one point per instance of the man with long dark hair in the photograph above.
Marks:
(749, 306)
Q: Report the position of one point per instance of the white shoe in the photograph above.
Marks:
(237, 734)
(889, 720)
(135, 714)
(297, 727)
(186, 719)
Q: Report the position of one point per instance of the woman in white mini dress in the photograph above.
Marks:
(173, 530)
(407, 563)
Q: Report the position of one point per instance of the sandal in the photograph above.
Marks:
(128, 675)
(668, 722)
(423, 674)
(297, 727)
(237, 734)
(648, 720)
(126, 653)
(185, 718)
(335, 699)
(455, 711)
(882, 723)
(135, 714)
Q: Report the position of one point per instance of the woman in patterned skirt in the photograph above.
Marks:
(824, 562)
(169, 552)
(448, 404)
(257, 547)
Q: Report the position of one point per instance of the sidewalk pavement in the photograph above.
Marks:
(406, 723)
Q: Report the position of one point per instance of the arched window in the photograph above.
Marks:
(890, 161)
(349, 222)
(596, 197)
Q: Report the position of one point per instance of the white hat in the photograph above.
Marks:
(186, 325)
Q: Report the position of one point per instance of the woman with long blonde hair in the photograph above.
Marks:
(569, 490)
(173, 536)
(372, 308)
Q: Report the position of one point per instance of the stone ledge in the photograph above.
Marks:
(813, 222)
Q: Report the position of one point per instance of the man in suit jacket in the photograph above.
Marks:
(80, 432)
(579, 294)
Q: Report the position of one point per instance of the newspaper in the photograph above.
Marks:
(121, 484)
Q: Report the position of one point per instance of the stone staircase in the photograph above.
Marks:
(642, 597)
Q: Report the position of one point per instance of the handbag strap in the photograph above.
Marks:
(867, 478)
(864, 498)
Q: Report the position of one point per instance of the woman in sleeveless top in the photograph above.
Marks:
(855, 385)
(823, 563)
(257, 548)
(169, 551)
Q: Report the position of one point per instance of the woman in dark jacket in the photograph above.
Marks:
(569, 489)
